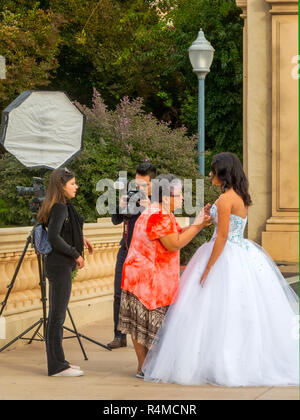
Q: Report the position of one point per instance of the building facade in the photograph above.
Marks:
(270, 138)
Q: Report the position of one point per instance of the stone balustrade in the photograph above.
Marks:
(93, 286)
(95, 279)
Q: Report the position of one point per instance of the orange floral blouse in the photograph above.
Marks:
(150, 271)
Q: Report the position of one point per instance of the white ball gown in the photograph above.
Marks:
(239, 329)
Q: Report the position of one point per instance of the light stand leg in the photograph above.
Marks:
(77, 335)
(11, 285)
(21, 335)
(89, 339)
(36, 332)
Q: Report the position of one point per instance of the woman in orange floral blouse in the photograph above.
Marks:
(151, 270)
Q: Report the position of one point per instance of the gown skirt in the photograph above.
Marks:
(240, 329)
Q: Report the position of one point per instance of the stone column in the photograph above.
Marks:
(243, 5)
(257, 112)
(281, 236)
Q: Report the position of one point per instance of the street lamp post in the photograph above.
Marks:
(2, 67)
(201, 56)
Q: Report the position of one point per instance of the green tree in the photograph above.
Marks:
(135, 48)
(222, 25)
(29, 40)
(140, 49)
(95, 36)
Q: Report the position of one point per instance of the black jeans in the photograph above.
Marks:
(121, 257)
(60, 285)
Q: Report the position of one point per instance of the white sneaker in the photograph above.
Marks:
(75, 367)
(70, 372)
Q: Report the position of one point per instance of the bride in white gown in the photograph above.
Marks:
(235, 322)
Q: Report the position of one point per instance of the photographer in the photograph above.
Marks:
(144, 174)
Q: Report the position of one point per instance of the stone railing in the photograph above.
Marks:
(93, 286)
(95, 279)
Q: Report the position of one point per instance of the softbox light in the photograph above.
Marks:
(42, 129)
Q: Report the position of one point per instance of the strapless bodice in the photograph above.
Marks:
(237, 226)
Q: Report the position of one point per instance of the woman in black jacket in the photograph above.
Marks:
(66, 238)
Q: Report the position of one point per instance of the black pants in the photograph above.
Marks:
(121, 257)
(60, 285)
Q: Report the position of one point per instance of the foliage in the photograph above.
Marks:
(3, 210)
(140, 49)
(134, 48)
(98, 39)
(222, 26)
(14, 208)
(29, 41)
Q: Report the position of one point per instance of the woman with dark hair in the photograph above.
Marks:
(151, 269)
(235, 322)
(67, 241)
(231, 175)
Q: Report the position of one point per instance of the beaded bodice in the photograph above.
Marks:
(237, 226)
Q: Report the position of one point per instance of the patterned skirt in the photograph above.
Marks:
(137, 320)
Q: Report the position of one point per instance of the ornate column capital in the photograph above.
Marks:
(243, 5)
(283, 7)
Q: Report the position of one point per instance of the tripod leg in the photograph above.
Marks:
(43, 321)
(36, 332)
(21, 335)
(77, 335)
(88, 338)
(41, 262)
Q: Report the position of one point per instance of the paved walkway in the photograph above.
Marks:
(109, 375)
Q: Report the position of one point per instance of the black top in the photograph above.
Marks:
(128, 226)
(60, 236)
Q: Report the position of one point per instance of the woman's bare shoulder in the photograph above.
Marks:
(224, 198)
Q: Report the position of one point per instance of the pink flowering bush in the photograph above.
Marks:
(129, 135)
(120, 139)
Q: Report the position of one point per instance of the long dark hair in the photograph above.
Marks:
(229, 170)
(55, 193)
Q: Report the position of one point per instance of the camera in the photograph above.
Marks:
(133, 198)
(38, 190)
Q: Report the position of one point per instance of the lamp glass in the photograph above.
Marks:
(201, 59)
